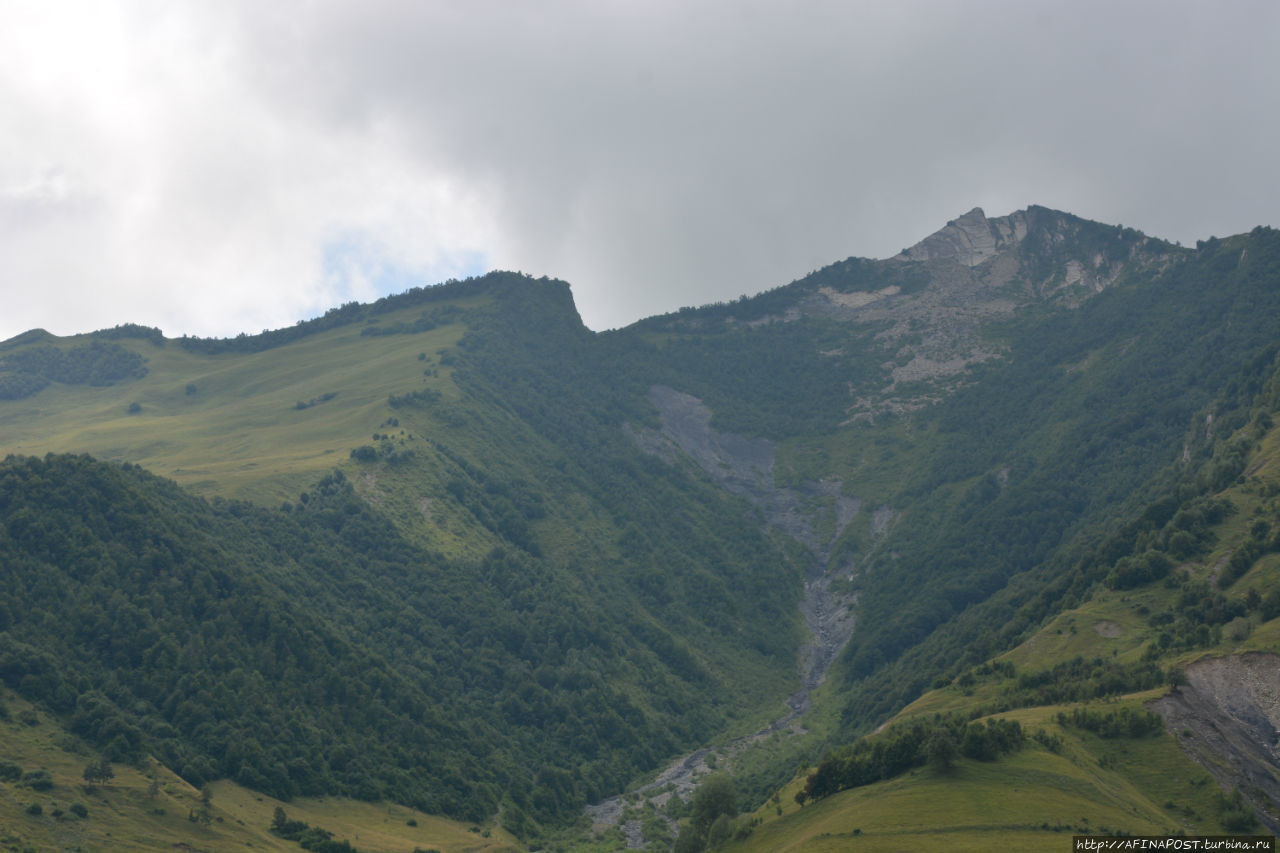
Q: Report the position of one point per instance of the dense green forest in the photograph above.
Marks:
(314, 651)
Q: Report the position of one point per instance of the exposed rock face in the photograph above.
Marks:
(971, 239)
(1227, 718)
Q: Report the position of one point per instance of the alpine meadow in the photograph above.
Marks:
(974, 547)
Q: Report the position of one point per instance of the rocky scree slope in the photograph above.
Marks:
(1227, 718)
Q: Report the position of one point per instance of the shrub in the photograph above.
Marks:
(364, 453)
(38, 780)
(1125, 723)
(1234, 813)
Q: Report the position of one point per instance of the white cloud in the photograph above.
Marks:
(149, 181)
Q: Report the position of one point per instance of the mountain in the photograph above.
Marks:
(453, 550)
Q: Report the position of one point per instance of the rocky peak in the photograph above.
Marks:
(970, 239)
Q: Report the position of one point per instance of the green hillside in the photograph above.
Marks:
(454, 552)
(150, 808)
(234, 420)
(1078, 687)
(454, 624)
(1188, 584)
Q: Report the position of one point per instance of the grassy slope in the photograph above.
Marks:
(1022, 802)
(1026, 802)
(240, 434)
(124, 815)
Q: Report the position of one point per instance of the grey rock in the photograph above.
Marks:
(1227, 719)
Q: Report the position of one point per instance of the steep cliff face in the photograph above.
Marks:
(1227, 718)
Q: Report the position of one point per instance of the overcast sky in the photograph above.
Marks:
(218, 167)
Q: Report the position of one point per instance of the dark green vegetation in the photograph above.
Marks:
(1078, 446)
(308, 837)
(500, 604)
(29, 369)
(316, 651)
(712, 814)
(939, 741)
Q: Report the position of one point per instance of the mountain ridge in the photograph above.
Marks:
(964, 442)
(970, 238)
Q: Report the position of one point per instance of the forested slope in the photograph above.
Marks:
(316, 651)
(600, 617)
(1085, 406)
(1144, 704)
(1096, 414)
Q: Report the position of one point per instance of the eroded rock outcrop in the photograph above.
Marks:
(971, 238)
(1227, 718)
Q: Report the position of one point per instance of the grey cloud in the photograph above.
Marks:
(661, 154)
(656, 155)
